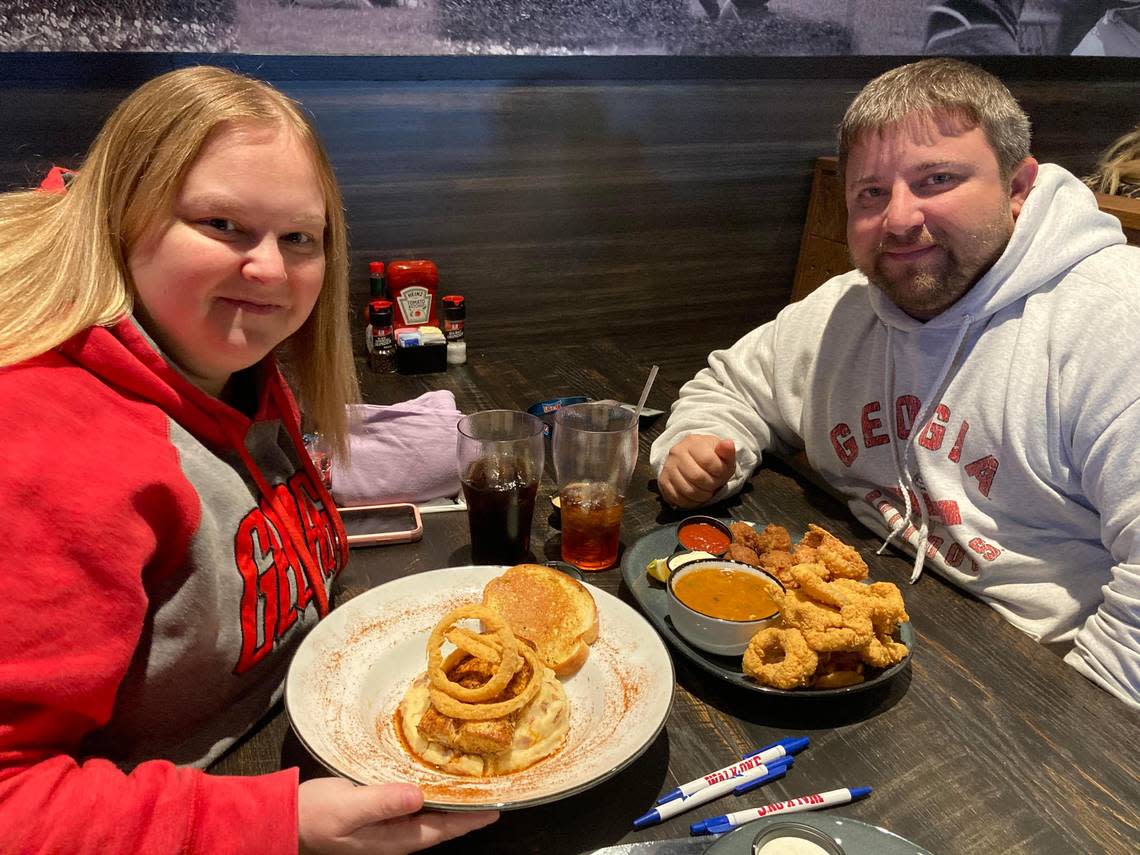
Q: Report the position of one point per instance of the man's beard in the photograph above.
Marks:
(926, 289)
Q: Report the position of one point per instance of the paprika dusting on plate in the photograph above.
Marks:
(704, 537)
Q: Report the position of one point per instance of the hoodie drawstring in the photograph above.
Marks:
(906, 481)
(888, 375)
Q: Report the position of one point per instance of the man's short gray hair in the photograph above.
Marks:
(939, 86)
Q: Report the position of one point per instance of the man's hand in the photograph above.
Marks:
(335, 817)
(695, 468)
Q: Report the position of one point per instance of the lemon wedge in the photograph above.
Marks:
(658, 569)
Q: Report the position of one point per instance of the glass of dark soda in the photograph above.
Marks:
(500, 455)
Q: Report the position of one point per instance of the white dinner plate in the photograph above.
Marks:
(349, 675)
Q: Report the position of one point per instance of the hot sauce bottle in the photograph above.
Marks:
(454, 323)
(378, 337)
(377, 289)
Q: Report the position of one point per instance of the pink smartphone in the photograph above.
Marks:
(373, 525)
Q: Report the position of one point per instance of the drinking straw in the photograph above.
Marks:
(645, 393)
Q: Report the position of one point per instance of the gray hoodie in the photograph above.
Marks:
(997, 441)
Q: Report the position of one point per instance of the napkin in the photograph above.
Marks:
(400, 452)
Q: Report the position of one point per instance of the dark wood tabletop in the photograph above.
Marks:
(988, 743)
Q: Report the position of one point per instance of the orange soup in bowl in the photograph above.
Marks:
(725, 593)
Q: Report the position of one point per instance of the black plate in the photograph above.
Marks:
(651, 597)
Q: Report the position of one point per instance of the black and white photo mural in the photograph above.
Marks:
(576, 27)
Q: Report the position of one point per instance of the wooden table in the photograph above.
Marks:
(990, 744)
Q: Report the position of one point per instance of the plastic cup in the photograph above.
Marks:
(500, 456)
(595, 451)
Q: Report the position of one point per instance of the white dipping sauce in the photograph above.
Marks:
(791, 846)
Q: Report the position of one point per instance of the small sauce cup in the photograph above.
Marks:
(704, 534)
(713, 633)
(778, 838)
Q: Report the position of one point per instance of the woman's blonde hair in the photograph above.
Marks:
(939, 85)
(1120, 164)
(63, 256)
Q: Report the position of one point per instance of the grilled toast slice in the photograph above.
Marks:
(553, 612)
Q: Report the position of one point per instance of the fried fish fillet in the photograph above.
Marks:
(475, 737)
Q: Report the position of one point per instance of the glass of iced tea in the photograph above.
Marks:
(595, 450)
(500, 454)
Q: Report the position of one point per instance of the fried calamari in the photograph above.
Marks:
(781, 658)
(832, 626)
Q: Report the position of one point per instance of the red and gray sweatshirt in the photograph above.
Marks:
(164, 556)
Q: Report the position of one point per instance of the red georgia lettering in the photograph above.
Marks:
(906, 411)
(848, 449)
(316, 527)
(256, 543)
(278, 583)
(954, 555)
(932, 545)
(949, 511)
(870, 425)
(983, 470)
(956, 450)
(287, 505)
(935, 429)
(987, 550)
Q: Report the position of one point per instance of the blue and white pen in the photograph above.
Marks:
(761, 774)
(729, 821)
(767, 754)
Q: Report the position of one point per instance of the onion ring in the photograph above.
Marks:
(449, 706)
(780, 658)
(507, 666)
(483, 647)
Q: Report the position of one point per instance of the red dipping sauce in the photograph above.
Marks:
(703, 537)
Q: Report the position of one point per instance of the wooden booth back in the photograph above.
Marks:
(655, 203)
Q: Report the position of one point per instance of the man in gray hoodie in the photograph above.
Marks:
(971, 387)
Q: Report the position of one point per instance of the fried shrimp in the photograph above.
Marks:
(882, 651)
(780, 658)
(825, 628)
(883, 600)
(805, 554)
(841, 560)
(812, 579)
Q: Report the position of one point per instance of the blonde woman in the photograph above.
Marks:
(1118, 170)
(166, 539)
